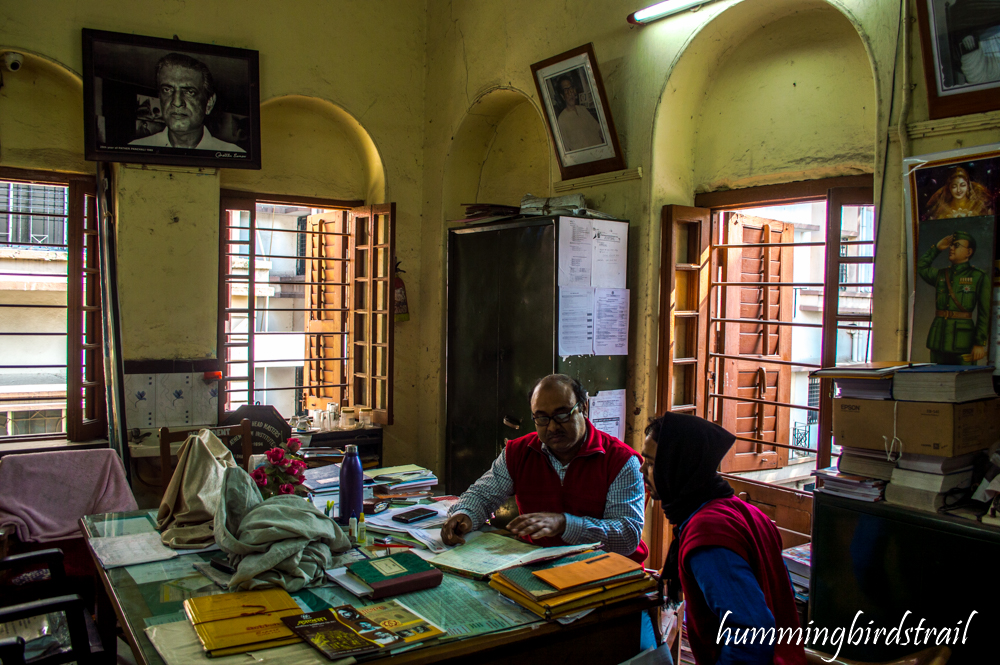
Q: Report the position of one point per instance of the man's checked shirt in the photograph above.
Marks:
(619, 530)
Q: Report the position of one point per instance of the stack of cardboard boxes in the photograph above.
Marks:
(935, 443)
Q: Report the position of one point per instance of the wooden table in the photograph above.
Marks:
(607, 635)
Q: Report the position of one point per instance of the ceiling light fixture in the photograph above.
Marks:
(663, 9)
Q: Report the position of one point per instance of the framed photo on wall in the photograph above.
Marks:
(576, 109)
(960, 40)
(952, 202)
(163, 101)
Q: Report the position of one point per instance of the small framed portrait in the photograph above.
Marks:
(163, 101)
(960, 40)
(952, 202)
(576, 107)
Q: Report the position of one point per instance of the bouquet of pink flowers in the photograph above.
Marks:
(282, 473)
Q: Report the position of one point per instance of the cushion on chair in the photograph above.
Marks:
(44, 495)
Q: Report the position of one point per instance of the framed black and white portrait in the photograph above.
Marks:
(576, 109)
(164, 101)
(960, 40)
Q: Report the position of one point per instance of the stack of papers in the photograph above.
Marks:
(573, 584)
(848, 486)
(116, 551)
(426, 531)
(403, 480)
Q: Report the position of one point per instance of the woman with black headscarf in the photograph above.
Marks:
(725, 554)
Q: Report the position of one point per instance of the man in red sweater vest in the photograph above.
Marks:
(572, 482)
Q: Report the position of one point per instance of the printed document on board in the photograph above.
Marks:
(610, 252)
(607, 412)
(611, 322)
(576, 242)
(576, 321)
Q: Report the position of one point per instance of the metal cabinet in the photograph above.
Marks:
(502, 326)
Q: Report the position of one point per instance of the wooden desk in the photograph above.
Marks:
(607, 635)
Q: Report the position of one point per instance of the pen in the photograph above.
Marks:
(596, 559)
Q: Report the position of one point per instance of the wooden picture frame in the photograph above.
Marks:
(149, 100)
(947, 193)
(960, 42)
(572, 94)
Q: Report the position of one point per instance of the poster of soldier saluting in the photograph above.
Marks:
(952, 209)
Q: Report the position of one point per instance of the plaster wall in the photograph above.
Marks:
(671, 88)
(341, 84)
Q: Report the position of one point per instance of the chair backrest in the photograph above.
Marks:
(225, 434)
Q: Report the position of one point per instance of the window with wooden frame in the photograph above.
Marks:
(51, 350)
(758, 287)
(318, 327)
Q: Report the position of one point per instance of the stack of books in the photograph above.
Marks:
(928, 486)
(847, 486)
(574, 583)
(323, 484)
(867, 463)
(798, 562)
(386, 576)
(225, 627)
(403, 482)
(863, 381)
(944, 383)
(361, 633)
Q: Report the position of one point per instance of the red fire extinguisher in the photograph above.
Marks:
(402, 309)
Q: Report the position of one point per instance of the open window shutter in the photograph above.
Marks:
(757, 386)
(86, 412)
(328, 251)
(372, 309)
(684, 285)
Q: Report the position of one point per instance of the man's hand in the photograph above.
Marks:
(978, 352)
(457, 526)
(945, 242)
(538, 525)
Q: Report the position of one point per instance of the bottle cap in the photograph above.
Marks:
(351, 448)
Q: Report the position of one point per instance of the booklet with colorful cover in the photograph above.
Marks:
(342, 631)
(402, 621)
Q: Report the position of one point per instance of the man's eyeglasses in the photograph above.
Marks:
(561, 418)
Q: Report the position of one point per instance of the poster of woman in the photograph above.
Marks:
(952, 207)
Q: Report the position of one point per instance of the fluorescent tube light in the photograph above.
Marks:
(663, 9)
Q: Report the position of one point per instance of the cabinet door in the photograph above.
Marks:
(473, 429)
(526, 330)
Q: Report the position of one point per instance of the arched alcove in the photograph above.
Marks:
(766, 92)
(311, 147)
(499, 153)
(41, 116)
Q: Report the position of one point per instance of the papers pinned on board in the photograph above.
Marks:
(607, 412)
(593, 300)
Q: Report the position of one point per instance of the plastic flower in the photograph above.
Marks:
(293, 445)
(296, 467)
(275, 455)
(259, 476)
(286, 489)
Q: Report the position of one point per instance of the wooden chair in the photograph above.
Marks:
(225, 434)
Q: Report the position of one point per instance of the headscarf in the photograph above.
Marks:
(688, 452)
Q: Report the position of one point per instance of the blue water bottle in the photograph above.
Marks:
(351, 486)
